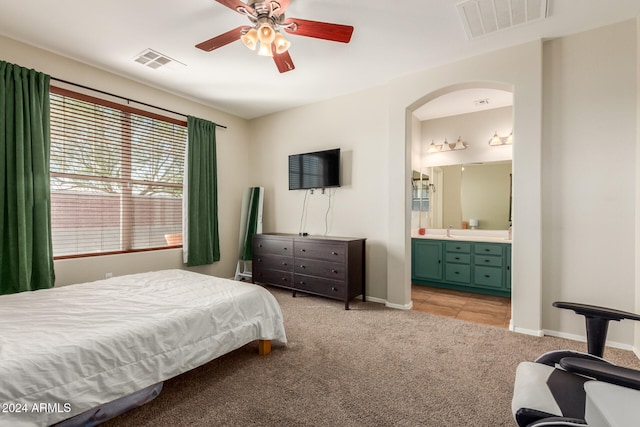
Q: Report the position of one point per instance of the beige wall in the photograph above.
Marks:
(575, 201)
(357, 124)
(475, 129)
(589, 175)
(233, 158)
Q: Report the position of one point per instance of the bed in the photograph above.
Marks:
(66, 350)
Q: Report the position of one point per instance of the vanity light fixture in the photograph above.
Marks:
(459, 144)
(433, 148)
(445, 146)
(501, 140)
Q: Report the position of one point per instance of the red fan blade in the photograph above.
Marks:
(319, 30)
(237, 5)
(283, 61)
(283, 6)
(222, 39)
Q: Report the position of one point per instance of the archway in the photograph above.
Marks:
(471, 111)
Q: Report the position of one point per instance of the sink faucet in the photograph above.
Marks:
(449, 231)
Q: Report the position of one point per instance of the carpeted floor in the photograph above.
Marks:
(369, 366)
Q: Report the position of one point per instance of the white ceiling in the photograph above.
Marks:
(464, 101)
(391, 39)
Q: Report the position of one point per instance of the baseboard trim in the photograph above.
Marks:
(387, 303)
(582, 338)
(408, 306)
(534, 332)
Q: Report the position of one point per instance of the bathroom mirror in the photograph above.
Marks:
(465, 195)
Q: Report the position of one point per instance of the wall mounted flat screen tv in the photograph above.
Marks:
(320, 169)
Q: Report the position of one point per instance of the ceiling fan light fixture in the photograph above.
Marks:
(265, 49)
(281, 43)
(250, 39)
(266, 33)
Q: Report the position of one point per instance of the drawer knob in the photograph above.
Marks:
(302, 282)
(284, 279)
(457, 258)
(487, 250)
(303, 250)
(486, 260)
(334, 253)
(260, 245)
(334, 289)
(487, 275)
(284, 263)
(284, 249)
(302, 266)
(334, 271)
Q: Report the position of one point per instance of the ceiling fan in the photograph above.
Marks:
(267, 20)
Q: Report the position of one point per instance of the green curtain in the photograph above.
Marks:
(26, 254)
(246, 253)
(203, 243)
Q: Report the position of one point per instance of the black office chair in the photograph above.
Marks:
(550, 391)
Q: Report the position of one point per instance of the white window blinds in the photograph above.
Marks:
(116, 176)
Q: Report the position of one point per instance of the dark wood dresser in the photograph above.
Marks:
(333, 267)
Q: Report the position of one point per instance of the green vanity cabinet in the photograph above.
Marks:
(462, 265)
(426, 259)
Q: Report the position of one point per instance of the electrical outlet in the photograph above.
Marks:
(108, 275)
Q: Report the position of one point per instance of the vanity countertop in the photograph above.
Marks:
(489, 236)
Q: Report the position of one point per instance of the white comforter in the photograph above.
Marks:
(66, 350)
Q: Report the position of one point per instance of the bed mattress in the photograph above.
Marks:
(66, 350)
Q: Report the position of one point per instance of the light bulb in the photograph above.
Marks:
(510, 138)
(250, 39)
(266, 34)
(281, 43)
(445, 146)
(265, 49)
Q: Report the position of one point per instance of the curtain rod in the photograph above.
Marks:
(122, 97)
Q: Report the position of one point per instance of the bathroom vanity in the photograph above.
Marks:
(467, 262)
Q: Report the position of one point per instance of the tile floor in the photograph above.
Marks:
(478, 308)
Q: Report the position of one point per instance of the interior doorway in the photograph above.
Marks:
(452, 112)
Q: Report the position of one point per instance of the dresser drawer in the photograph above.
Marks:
(274, 277)
(322, 251)
(491, 277)
(328, 270)
(488, 260)
(273, 262)
(458, 247)
(488, 249)
(458, 257)
(459, 273)
(329, 288)
(272, 246)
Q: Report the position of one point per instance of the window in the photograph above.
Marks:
(116, 176)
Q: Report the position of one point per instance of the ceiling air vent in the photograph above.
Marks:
(153, 59)
(482, 17)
